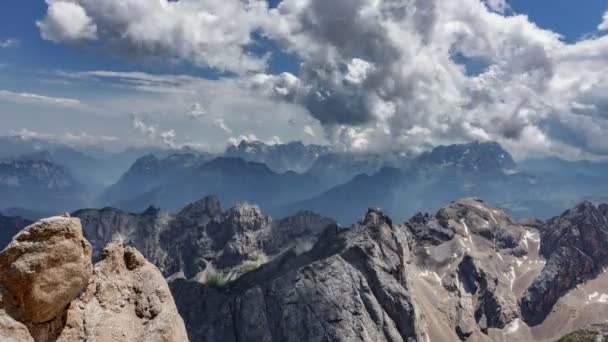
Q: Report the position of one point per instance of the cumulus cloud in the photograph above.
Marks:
(389, 74)
(604, 25)
(142, 127)
(66, 21)
(375, 74)
(30, 98)
(168, 138)
(212, 33)
(8, 42)
(274, 140)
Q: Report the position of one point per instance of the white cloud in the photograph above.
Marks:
(419, 94)
(219, 122)
(604, 25)
(211, 33)
(381, 75)
(309, 131)
(358, 70)
(66, 21)
(168, 138)
(28, 98)
(197, 111)
(142, 127)
(8, 43)
(79, 138)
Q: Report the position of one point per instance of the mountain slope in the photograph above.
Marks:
(294, 156)
(38, 185)
(460, 274)
(472, 170)
(171, 185)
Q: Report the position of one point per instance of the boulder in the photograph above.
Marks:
(45, 267)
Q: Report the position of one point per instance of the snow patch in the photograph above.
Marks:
(512, 277)
(512, 327)
(492, 216)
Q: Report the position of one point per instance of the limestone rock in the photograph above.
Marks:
(45, 267)
(126, 300)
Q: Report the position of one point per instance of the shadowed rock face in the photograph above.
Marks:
(201, 234)
(349, 287)
(49, 290)
(576, 248)
(457, 275)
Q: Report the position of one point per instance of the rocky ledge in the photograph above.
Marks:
(50, 290)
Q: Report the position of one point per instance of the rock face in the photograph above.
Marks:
(576, 248)
(202, 234)
(459, 274)
(126, 300)
(50, 292)
(349, 287)
(46, 266)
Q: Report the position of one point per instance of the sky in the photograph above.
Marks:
(360, 75)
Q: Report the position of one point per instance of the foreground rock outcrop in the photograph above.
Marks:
(49, 290)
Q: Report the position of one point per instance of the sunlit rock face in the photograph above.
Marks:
(50, 291)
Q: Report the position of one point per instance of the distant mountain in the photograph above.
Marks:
(432, 179)
(337, 168)
(294, 156)
(90, 165)
(151, 172)
(38, 185)
(477, 157)
(346, 202)
(172, 182)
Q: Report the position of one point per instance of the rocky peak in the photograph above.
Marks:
(471, 217)
(375, 217)
(49, 290)
(575, 245)
(45, 267)
(473, 157)
(247, 217)
(293, 156)
(584, 227)
(209, 206)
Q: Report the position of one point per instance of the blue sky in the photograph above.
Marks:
(51, 67)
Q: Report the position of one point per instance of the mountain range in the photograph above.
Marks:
(469, 272)
(287, 178)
